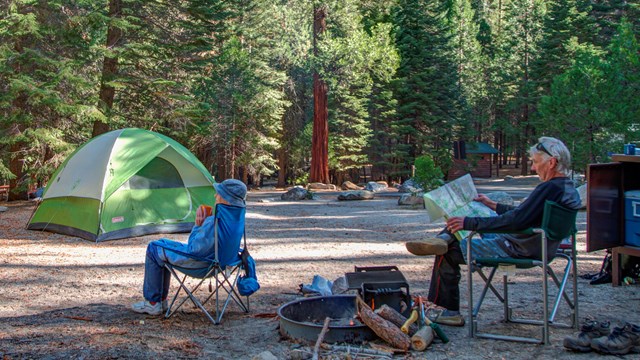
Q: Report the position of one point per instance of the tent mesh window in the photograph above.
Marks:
(157, 174)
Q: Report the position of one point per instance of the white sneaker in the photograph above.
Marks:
(145, 307)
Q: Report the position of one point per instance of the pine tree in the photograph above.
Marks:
(523, 25)
(563, 21)
(43, 89)
(427, 93)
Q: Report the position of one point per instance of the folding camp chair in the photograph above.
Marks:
(223, 267)
(558, 224)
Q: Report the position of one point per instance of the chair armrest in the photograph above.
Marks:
(175, 251)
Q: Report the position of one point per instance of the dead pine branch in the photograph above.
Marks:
(352, 350)
(325, 328)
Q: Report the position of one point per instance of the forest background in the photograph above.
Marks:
(233, 81)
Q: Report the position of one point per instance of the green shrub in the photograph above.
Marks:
(428, 175)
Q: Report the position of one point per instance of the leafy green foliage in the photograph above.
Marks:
(427, 174)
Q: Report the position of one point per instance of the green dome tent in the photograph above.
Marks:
(124, 183)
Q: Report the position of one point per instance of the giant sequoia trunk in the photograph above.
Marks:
(109, 69)
(320, 141)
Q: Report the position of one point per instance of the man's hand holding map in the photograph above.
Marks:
(455, 199)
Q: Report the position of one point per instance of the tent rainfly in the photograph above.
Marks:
(124, 183)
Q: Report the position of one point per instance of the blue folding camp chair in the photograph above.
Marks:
(222, 267)
(558, 224)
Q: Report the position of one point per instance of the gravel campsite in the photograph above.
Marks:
(64, 297)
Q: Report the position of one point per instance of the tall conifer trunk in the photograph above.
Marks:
(320, 141)
(109, 69)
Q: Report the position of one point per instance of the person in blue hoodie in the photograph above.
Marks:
(201, 244)
(551, 160)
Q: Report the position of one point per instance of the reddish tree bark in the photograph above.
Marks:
(109, 70)
(320, 141)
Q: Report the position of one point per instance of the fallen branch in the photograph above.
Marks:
(357, 350)
(78, 318)
(325, 328)
(386, 330)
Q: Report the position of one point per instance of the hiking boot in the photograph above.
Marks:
(450, 318)
(588, 331)
(620, 341)
(145, 307)
(428, 246)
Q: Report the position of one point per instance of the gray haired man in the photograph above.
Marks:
(551, 160)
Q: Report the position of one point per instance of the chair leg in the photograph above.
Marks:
(574, 256)
(471, 315)
(190, 296)
(545, 300)
(505, 302)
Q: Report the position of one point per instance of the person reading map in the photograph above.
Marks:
(464, 209)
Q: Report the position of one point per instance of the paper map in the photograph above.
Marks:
(455, 199)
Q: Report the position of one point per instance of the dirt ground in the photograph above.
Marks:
(63, 297)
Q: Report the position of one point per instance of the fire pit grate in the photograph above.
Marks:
(303, 319)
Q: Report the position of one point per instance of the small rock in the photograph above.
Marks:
(407, 189)
(356, 195)
(3, 208)
(348, 185)
(508, 177)
(321, 186)
(265, 355)
(374, 186)
(408, 199)
(299, 355)
(297, 193)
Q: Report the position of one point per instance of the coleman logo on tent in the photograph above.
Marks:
(117, 219)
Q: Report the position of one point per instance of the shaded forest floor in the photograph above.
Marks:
(63, 297)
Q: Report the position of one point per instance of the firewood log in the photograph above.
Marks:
(390, 314)
(422, 338)
(386, 330)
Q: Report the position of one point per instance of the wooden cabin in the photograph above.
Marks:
(476, 160)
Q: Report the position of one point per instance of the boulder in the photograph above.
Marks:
(321, 186)
(348, 185)
(406, 189)
(297, 193)
(374, 186)
(265, 355)
(582, 191)
(500, 197)
(409, 199)
(356, 195)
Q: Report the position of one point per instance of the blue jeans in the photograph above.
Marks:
(156, 276)
(486, 247)
(445, 277)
